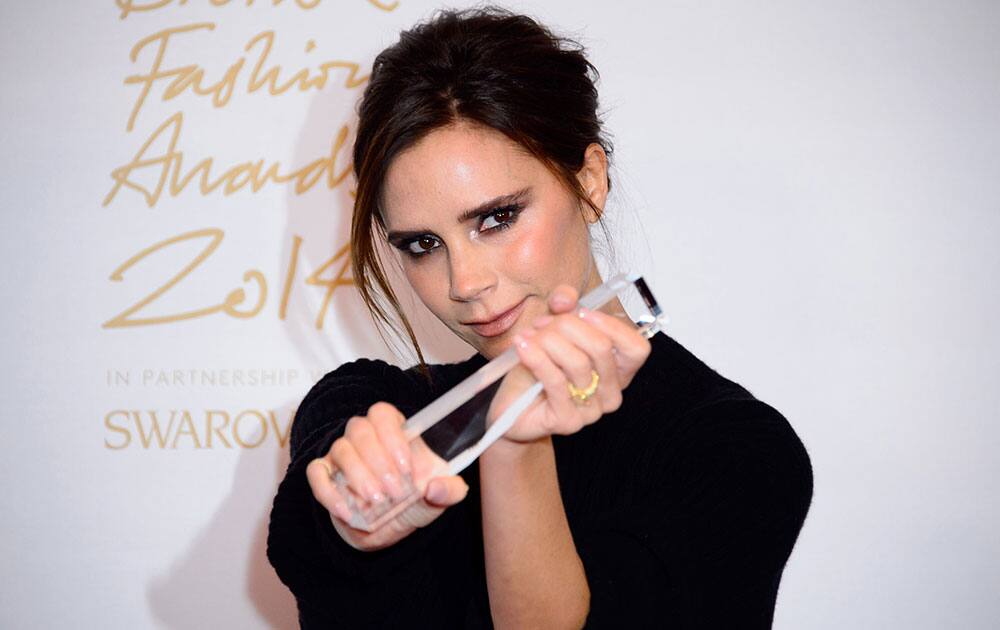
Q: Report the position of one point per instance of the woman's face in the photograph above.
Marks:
(485, 230)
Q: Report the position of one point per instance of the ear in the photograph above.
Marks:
(593, 178)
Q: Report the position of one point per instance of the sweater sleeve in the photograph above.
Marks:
(334, 584)
(722, 505)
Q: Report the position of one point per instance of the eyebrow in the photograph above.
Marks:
(399, 236)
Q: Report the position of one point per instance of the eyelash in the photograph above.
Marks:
(514, 209)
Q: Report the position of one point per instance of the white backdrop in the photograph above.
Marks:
(812, 188)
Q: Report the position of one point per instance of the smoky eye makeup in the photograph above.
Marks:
(492, 220)
(504, 217)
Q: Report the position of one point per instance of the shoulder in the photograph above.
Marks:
(353, 380)
(674, 380)
(348, 391)
(704, 482)
(747, 439)
(674, 386)
(710, 431)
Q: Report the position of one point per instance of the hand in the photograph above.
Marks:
(379, 463)
(563, 348)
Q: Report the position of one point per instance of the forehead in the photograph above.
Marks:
(452, 169)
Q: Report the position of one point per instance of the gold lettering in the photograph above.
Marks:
(340, 280)
(303, 78)
(281, 435)
(310, 174)
(167, 166)
(186, 422)
(146, 438)
(210, 428)
(166, 161)
(236, 429)
(235, 297)
(118, 429)
(155, 73)
(289, 276)
(249, 429)
(133, 6)
(191, 77)
(241, 175)
(130, 6)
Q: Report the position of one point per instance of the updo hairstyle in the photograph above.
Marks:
(486, 66)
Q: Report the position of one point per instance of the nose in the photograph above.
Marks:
(471, 274)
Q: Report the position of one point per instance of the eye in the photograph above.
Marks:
(420, 246)
(504, 217)
(495, 220)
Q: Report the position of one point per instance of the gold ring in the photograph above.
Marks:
(581, 395)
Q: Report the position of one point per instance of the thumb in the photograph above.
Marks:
(446, 491)
(562, 299)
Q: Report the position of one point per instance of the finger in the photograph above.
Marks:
(631, 347)
(361, 432)
(359, 477)
(579, 349)
(599, 349)
(388, 422)
(553, 380)
(320, 477)
(440, 493)
(567, 355)
(623, 331)
(446, 491)
(563, 298)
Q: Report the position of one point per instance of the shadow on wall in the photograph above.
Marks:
(226, 564)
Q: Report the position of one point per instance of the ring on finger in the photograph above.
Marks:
(582, 396)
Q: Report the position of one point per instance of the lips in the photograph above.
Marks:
(499, 324)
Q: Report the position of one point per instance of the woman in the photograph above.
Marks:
(662, 495)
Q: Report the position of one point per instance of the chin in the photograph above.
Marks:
(491, 347)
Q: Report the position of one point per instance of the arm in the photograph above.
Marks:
(335, 584)
(534, 574)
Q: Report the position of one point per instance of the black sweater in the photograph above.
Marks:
(684, 505)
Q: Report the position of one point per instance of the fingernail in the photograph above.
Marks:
(583, 312)
(325, 464)
(561, 299)
(436, 492)
(403, 462)
(542, 321)
(391, 484)
(373, 495)
(520, 341)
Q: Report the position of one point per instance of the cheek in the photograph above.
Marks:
(548, 244)
(422, 281)
(532, 251)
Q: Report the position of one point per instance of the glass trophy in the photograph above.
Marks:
(454, 427)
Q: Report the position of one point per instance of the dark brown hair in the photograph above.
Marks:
(488, 66)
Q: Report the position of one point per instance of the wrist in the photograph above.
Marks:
(507, 452)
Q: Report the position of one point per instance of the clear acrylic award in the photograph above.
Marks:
(454, 427)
